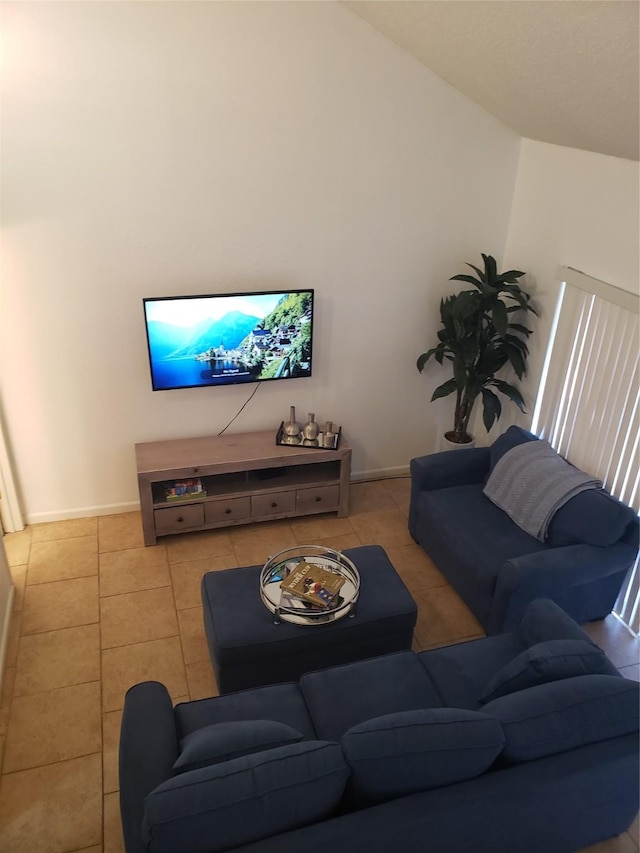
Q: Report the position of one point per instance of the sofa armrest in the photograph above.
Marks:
(543, 573)
(148, 749)
(632, 535)
(450, 468)
(544, 620)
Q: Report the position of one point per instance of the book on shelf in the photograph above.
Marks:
(313, 584)
(183, 490)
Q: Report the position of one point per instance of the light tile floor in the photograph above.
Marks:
(96, 611)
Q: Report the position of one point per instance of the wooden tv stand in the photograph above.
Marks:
(247, 477)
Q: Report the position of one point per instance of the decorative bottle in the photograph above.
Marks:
(329, 436)
(291, 429)
(310, 432)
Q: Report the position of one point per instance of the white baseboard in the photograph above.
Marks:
(380, 474)
(4, 639)
(82, 512)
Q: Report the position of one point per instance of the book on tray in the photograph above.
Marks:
(313, 584)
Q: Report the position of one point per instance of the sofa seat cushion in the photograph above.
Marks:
(461, 671)
(564, 715)
(484, 537)
(399, 754)
(283, 703)
(233, 803)
(343, 696)
(593, 517)
(545, 662)
(224, 741)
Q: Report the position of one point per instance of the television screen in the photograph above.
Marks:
(228, 338)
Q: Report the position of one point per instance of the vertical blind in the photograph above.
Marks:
(588, 405)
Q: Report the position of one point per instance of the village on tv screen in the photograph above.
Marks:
(228, 338)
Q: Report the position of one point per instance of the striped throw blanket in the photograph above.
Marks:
(531, 481)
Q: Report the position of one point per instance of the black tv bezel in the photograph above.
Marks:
(232, 293)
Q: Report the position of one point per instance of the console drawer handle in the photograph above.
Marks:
(180, 518)
(227, 511)
(318, 498)
(274, 504)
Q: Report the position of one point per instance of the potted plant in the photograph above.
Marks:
(479, 336)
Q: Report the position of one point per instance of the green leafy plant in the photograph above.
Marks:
(479, 336)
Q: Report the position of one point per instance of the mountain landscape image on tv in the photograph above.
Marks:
(228, 338)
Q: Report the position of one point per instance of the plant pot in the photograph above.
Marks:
(447, 444)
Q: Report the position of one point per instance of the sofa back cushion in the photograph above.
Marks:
(341, 697)
(564, 715)
(509, 439)
(224, 741)
(412, 751)
(593, 517)
(545, 662)
(236, 802)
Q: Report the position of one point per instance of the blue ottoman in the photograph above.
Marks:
(248, 650)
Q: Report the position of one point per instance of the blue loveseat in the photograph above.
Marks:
(495, 566)
(518, 743)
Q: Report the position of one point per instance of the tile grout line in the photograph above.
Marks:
(175, 607)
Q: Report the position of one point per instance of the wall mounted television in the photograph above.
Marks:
(228, 338)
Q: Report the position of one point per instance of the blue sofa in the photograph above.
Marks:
(526, 741)
(495, 566)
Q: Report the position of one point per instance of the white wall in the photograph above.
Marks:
(177, 148)
(570, 208)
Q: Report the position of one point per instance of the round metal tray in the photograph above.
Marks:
(288, 608)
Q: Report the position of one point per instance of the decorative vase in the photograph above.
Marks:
(291, 428)
(310, 432)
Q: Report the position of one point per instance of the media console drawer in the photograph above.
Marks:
(227, 509)
(244, 478)
(176, 518)
(320, 499)
(272, 504)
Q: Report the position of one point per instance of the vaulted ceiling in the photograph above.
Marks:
(565, 72)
